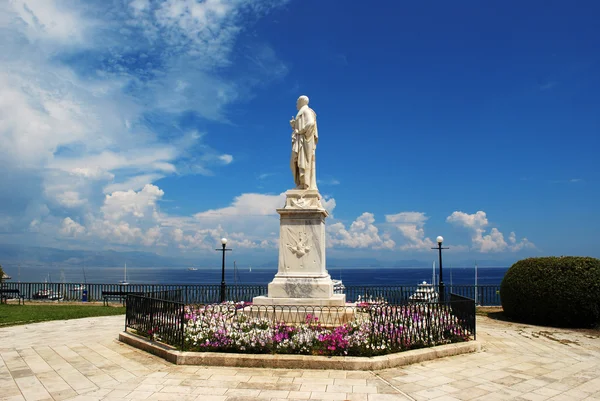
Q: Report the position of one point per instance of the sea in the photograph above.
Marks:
(355, 276)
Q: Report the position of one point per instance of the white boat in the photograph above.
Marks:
(47, 294)
(124, 281)
(192, 269)
(80, 287)
(424, 293)
(338, 287)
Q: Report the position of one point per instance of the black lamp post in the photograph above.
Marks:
(223, 249)
(441, 289)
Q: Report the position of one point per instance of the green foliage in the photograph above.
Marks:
(12, 314)
(1, 274)
(556, 291)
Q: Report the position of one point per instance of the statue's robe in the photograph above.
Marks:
(304, 143)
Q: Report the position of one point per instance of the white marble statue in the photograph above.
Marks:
(302, 277)
(304, 143)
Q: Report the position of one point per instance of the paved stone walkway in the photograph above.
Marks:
(81, 360)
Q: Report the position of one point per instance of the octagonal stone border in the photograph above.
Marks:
(286, 361)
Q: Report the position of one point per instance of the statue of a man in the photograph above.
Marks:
(304, 143)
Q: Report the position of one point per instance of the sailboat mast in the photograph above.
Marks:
(476, 283)
(235, 275)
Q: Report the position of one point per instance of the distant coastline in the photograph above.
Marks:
(258, 275)
(43, 257)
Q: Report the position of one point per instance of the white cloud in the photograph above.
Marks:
(569, 181)
(250, 221)
(198, 239)
(94, 173)
(473, 221)
(226, 158)
(492, 242)
(329, 204)
(91, 99)
(151, 158)
(517, 245)
(330, 181)
(140, 204)
(411, 226)
(133, 183)
(152, 236)
(69, 199)
(361, 234)
(70, 228)
(126, 217)
(265, 176)
(247, 205)
(46, 20)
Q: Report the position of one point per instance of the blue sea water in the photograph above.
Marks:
(350, 276)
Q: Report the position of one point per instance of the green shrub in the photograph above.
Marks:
(556, 291)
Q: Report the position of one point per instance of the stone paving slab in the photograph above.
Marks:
(83, 360)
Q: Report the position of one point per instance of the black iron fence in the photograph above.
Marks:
(367, 329)
(464, 309)
(485, 295)
(157, 313)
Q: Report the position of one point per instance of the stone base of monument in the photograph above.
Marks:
(326, 316)
(302, 199)
(301, 289)
(302, 280)
(336, 300)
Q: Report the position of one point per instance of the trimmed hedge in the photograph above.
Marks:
(556, 291)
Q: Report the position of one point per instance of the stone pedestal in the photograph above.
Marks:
(296, 315)
(302, 278)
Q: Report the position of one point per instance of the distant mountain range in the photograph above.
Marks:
(40, 256)
(12, 255)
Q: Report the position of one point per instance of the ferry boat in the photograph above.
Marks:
(338, 287)
(424, 293)
(47, 294)
(192, 269)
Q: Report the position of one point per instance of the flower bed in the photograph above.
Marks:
(376, 329)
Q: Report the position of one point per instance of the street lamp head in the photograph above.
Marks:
(440, 239)
(224, 241)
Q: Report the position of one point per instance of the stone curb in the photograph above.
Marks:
(297, 361)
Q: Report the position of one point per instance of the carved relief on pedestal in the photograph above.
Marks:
(304, 203)
(304, 200)
(299, 246)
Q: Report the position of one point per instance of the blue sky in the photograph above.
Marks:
(163, 126)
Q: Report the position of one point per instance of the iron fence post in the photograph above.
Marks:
(183, 327)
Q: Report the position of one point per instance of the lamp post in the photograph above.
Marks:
(441, 289)
(223, 249)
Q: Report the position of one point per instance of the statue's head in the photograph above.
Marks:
(302, 101)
